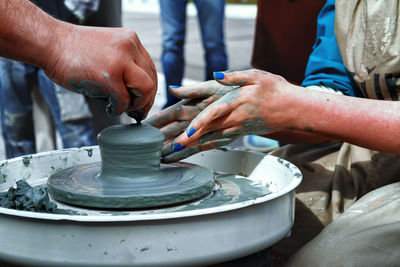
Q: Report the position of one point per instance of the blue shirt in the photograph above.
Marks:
(325, 65)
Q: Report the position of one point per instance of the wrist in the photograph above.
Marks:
(302, 109)
(48, 50)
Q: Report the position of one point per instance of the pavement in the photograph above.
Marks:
(143, 17)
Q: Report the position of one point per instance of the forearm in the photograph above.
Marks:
(27, 33)
(373, 124)
(298, 137)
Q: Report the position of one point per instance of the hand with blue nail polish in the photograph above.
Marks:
(219, 75)
(262, 103)
(241, 103)
(250, 106)
(191, 132)
(175, 119)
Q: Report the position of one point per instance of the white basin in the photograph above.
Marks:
(172, 236)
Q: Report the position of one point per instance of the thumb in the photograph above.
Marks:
(234, 78)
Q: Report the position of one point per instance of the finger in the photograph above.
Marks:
(167, 147)
(167, 115)
(150, 67)
(185, 110)
(118, 100)
(205, 120)
(91, 89)
(174, 129)
(228, 133)
(200, 90)
(180, 155)
(142, 86)
(116, 106)
(239, 78)
(218, 143)
(117, 96)
(147, 108)
(174, 157)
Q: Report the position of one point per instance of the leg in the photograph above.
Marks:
(173, 22)
(16, 107)
(367, 234)
(335, 176)
(211, 20)
(75, 130)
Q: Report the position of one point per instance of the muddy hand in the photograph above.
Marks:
(184, 152)
(174, 120)
(252, 108)
(104, 63)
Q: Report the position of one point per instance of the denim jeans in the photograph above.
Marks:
(17, 81)
(173, 22)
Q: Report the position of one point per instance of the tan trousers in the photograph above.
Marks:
(335, 177)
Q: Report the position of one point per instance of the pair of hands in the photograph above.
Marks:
(105, 63)
(215, 113)
(112, 64)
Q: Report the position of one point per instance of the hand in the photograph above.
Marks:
(106, 63)
(174, 120)
(252, 106)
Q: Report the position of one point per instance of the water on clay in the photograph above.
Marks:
(230, 189)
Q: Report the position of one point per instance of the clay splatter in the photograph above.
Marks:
(26, 160)
(144, 249)
(89, 152)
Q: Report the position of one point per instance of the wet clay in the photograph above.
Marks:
(130, 174)
(25, 197)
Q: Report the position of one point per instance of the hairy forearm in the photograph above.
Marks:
(27, 33)
(373, 124)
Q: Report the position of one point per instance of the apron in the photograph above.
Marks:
(368, 35)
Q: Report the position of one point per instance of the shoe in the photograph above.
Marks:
(259, 143)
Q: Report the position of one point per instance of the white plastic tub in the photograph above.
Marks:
(173, 236)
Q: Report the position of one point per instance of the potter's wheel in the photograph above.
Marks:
(80, 185)
(130, 174)
(228, 223)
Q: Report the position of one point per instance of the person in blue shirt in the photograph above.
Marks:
(345, 142)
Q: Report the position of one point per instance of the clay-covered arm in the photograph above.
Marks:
(99, 62)
(266, 104)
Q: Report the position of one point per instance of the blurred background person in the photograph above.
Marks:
(211, 15)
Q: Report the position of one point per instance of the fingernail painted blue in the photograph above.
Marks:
(191, 132)
(177, 147)
(219, 75)
(174, 86)
(182, 148)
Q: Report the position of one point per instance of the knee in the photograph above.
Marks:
(173, 46)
